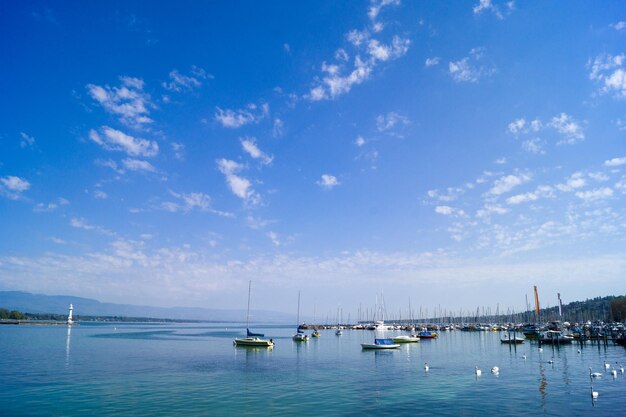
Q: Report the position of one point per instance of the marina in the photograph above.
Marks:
(194, 369)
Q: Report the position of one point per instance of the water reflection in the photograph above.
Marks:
(67, 345)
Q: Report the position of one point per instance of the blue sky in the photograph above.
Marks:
(453, 153)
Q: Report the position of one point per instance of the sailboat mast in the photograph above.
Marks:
(248, 314)
(298, 319)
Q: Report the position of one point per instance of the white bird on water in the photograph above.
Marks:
(495, 370)
(551, 361)
(540, 349)
(614, 373)
(477, 371)
(594, 394)
(426, 367)
(606, 365)
(524, 356)
(621, 368)
(594, 374)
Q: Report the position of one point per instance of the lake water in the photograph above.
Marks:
(194, 370)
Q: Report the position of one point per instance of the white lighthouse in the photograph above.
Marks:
(69, 316)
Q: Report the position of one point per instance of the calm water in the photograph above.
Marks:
(191, 370)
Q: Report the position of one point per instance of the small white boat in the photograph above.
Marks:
(380, 344)
(316, 333)
(254, 341)
(406, 339)
(300, 337)
(512, 340)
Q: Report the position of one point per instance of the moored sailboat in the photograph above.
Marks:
(252, 339)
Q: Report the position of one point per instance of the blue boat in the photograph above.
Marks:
(380, 344)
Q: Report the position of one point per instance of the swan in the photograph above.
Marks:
(614, 373)
(426, 367)
(606, 365)
(594, 374)
(578, 351)
(477, 371)
(594, 394)
(621, 368)
(524, 356)
(540, 349)
(551, 361)
(495, 370)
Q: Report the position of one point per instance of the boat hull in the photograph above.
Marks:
(405, 339)
(254, 341)
(371, 346)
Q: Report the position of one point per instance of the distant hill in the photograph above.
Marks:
(58, 304)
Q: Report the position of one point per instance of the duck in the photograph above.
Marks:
(551, 361)
(477, 371)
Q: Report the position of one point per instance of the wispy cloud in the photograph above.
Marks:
(240, 186)
(138, 165)
(568, 127)
(619, 26)
(128, 101)
(52, 206)
(489, 6)
(608, 70)
(391, 120)
(12, 187)
(81, 223)
(186, 83)
(570, 130)
(507, 183)
(471, 68)
(234, 119)
(328, 181)
(339, 78)
(115, 140)
(26, 141)
(431, 62)
(250, 147)
(186, 202)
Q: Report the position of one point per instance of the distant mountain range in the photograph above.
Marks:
(58, 304)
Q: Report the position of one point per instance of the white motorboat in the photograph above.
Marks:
(380, 344)
(406, 339)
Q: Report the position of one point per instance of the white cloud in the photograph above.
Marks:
(488, 5)
(138, 165)
(26, 141)
(390, 120)
(359, 141)
(239, 185)
(234, 119)
(489, 209)
(431, 62)
(619, 26)
(338, 79)
(179, 150)
(277, 128)
(508, 182)
(12, 187)
(273, 236)
(100, 195)
(128, 101)
(534, 146)
(328, 181)
(179, 82)
(377, 5)
(41, 207)
(249, 145)
(615, 162)
(470, 68)
(608, 70)
(567, 126)
(594, 195)
(81, 223)
(575, 181)
(115, 140)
